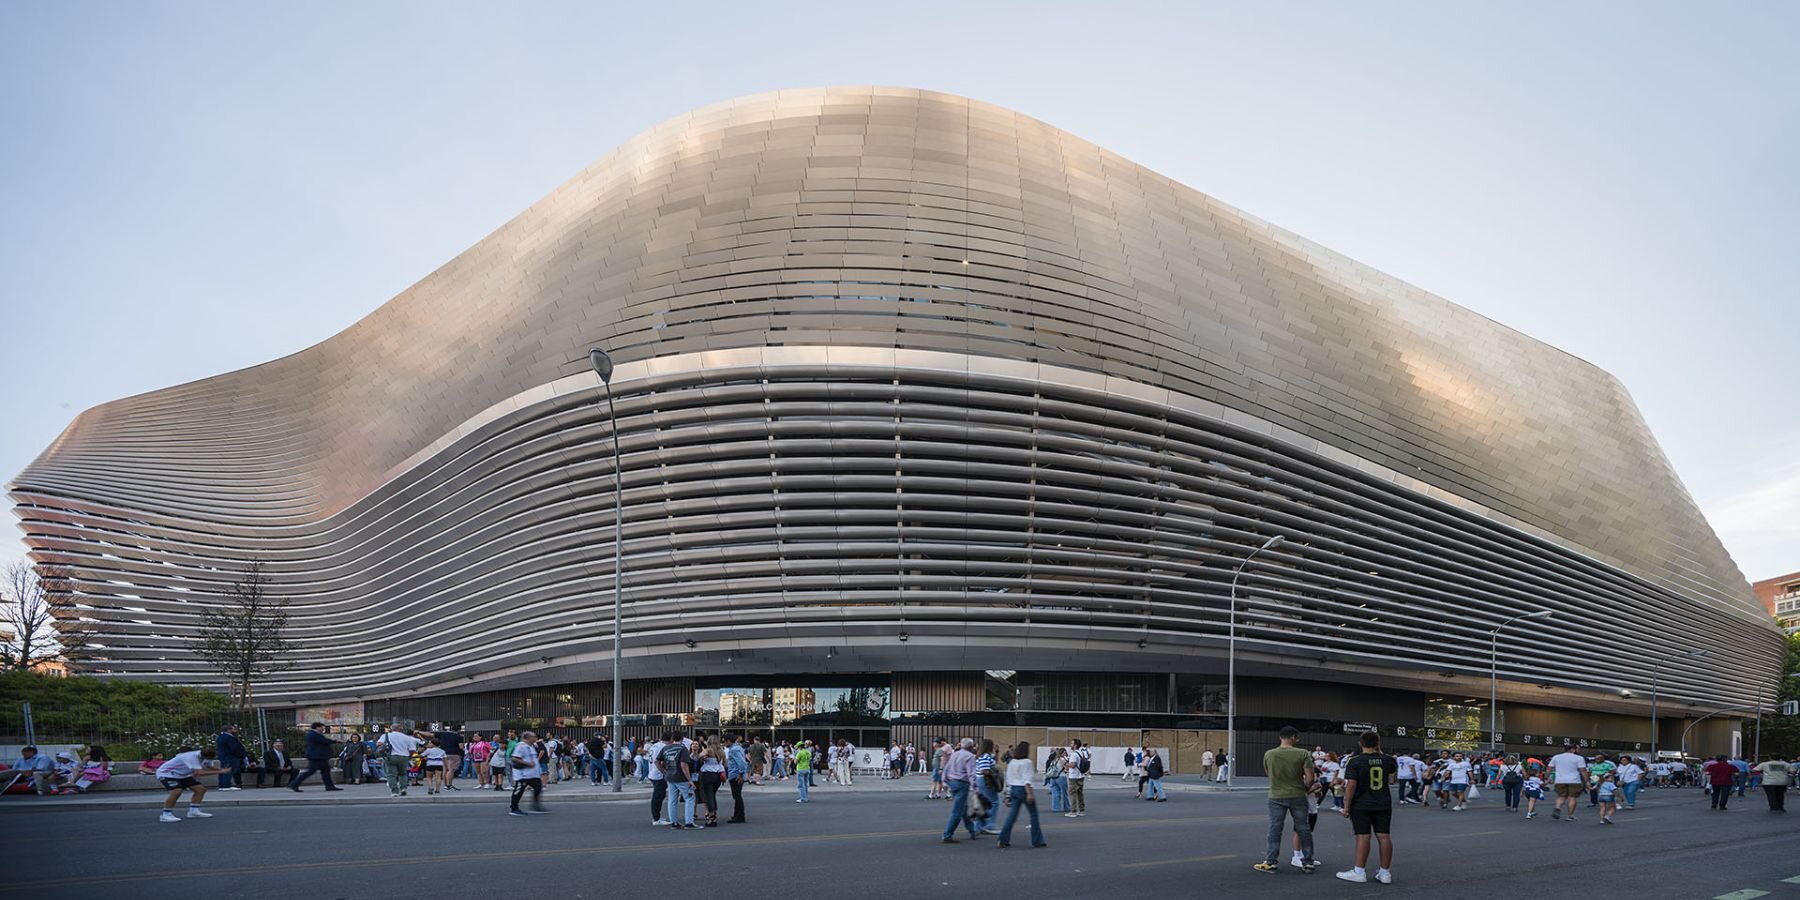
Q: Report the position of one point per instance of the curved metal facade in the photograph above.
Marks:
(897, 362)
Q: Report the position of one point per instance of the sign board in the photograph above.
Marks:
(337, 716)
(1668, 754)
(1790, 707)
(1358, 727)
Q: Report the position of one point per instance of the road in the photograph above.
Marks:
(872, 843)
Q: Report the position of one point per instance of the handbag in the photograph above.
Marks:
(1474, 792)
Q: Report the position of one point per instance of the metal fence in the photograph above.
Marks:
(141, 734)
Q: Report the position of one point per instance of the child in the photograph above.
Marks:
(1315, 796)
(1534, 791)
(1609, 791)
(434, 767)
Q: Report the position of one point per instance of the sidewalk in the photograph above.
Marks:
(578, 790)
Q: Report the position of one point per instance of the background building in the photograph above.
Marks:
(1781, 597)
(933, 418)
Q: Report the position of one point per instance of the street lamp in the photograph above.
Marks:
(1655, 675)
(603, 367)
(1231, 666)
(1494, 674)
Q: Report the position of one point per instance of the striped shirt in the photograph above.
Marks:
(984, 762)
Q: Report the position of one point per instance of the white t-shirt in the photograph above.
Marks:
(1566, 768)
(181, 765)
(1630, 773)
(434, 756)
(1409, 768)
(526, 754)
(655, 770)
(401, 743)
(1018, 772)
(1660, 770)
(1328, 771)
(1459, 771)
(1075, 757)
(1206, 759)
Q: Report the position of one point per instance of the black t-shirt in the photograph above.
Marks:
(673, 757)
(1374, 777)
(450, 742)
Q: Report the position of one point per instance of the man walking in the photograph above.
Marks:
(1568, 771)
(959, 774)
(319, 755)
(1775, 783)
(232, 757)
(1720, 774)
(1290, 772)
(395, 749)
(527, 774)
(1081, 761)
(737, 771)
(1369, 806)
(1206, 765)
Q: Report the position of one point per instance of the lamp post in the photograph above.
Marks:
(1231, 666)
(603, 367)
(1494, 674)
(1655, 676)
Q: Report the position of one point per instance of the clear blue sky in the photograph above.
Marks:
(187, 189)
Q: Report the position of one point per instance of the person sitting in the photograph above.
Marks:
(149, 766)
(96, 770)
(35, 766)
(276, 765)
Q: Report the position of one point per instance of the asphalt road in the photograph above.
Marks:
(880, 844)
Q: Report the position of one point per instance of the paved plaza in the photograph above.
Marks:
(872, 840)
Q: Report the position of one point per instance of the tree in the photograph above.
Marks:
(1781, 734)
(245, 638)
(40, 624)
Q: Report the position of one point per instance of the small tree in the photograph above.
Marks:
(39, 621)
(245, 638)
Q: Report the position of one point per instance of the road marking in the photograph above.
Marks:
(1793, 880)
(1744, 894)
(1171, 862)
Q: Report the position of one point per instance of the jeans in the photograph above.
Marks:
(1059, 793)
(233, 774)
(1777, 796)
(535, 785)
(737, 799)
(709, 793)
(1737, 783)
(1017, 794)
(1513, 791)
(803, 781)
(659, 793)
(1631, 792)
(395, 768)
(959, 810)
(681, 799)
(993, 804)
(1153, 789)
(1279, 810)
(606, 771)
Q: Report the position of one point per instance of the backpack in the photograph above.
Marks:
(1512, 776)
(1084, 763)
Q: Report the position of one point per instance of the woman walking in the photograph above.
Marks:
(1018, 794)
(1512, 781)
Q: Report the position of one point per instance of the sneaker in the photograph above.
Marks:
(1384, 876)
(1531, 815)
(658, 823)
(194, 812)
(1297, 862)
(515, 813)
(1555, 813)
(1310, 866)
(1081, 814)
(231, 789)
(1353, 875)
(951, 840)
(169, 817)
(1068, 815)
(1266, 867)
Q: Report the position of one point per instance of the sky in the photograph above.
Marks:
(187, 189)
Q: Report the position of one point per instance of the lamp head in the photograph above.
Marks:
(1540, 614)
(603, 364)
(1274, 541)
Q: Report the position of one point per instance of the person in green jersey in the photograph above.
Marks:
(1290, 771)
(803, 771)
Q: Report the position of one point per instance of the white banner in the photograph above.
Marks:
(1103, 760)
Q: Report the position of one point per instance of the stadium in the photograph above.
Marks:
(933, 418)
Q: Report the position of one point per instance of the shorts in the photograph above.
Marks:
(1534, 794)
(1570, 790)
(937, 776)
(434, 768)
(1459, 788)
(176, 784)
(1367, 820)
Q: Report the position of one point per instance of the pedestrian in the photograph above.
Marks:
(395, 750)
(1224, 767)
(1568, 771)
(181, 773)
(1315, 801)
(1512, 781)
(1742, 778)
(479, 750)
(1080, 763)
(434, 766)
(1609, 796)
(1019, 773)
(1534, 791)
(319, 755)
(758, 755)
(1459, 767)
(527, 766)
(737, 771)
(937, 770)
(450, 740)
(712, 775)
(1057, 781)
(803, 771)
(1291, 773)
(1601, 766)
(1206, 764)
(959, 774)
(988, 783)
(232, 758)
(1369, 805)
(1631, 780)
(353, 760)
(1153, 776)
(1775, 780)
(1720, 774)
